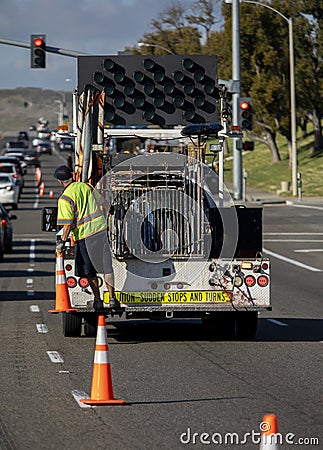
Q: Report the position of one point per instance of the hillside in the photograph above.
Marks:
(20, 108)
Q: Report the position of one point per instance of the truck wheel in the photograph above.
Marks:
(72, 325)
(224, 322)
(246, 324)
(91, 325)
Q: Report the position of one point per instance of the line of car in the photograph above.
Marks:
(14, 162)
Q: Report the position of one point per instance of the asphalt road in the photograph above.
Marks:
(177, 380)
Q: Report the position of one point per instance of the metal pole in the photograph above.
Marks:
(237, 143)
(48, 49)
(293, 107)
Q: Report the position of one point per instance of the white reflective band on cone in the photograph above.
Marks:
(101, 357)
(60, 279)
(101, 336)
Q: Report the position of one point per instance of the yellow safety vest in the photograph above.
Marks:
(79, 206)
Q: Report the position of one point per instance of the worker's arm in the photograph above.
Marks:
(66, 232)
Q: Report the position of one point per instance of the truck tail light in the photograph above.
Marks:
(263, 281)
(83, 282)
(250, 280)
(71, 282)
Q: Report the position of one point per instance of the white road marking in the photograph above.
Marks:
(55, 357)
(293, 234)
(292, 261)
(311, 250)
(30, 293)
(34, 308)
(78, 395)
(307, 206)
(41, 328)
(277, 322)
(29, 281)
(293, 240)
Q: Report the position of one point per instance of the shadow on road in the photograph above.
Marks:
(138, 331)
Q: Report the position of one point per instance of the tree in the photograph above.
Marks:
(205, 14)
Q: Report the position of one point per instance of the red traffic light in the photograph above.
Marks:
(244, 105)
(38, 42)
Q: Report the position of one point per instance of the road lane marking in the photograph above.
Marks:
(55, 357)
(34, 308)
(293, 234)
(30, 293)
(41, 328)
(311, 250)
(277, 322)
(307, 206)
(78, 395)
(293, 240)
(292, 261)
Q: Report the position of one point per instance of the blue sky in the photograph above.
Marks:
(91, 26)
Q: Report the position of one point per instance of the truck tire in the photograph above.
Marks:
(246, 324)
(91, 325)
(72, 325)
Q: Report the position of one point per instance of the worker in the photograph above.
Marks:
(81, 215)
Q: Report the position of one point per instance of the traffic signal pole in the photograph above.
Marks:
(237, 142)
(60, 51)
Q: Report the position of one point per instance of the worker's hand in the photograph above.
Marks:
(60, 246)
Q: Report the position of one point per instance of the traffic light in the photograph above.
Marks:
(154, 90)
(38, 51)
(245, 113)
(248, 145)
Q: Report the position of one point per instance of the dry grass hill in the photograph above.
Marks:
(20, 108)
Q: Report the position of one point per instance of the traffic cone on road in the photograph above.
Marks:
(63, 303)
(51, 194)
(269, 433)
(41, 189)
(102, 390)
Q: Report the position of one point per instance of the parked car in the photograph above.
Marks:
(44, 148)
(7, 227)
(17, 158)
(31, 158)
(23, 136)
(66, 144)
(10, 169)
(9, 190)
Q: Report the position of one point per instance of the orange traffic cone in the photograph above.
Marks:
(41, 189)
(63, 303)
(269, 433)
(102, 390)
(51, 194)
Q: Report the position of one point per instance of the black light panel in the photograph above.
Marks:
(159, 90)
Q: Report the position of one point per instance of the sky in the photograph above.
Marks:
(97, 27)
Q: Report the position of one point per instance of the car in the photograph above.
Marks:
(31, 158)
(7, 227)
(32, 128)
(15, 145)
(10, 168)
(9, 190)
(17, 160)
(37, 141)
(66, 144)
(23, 136)
(44, 148)
(44, 134)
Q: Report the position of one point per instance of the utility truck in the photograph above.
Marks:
(181, 246)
